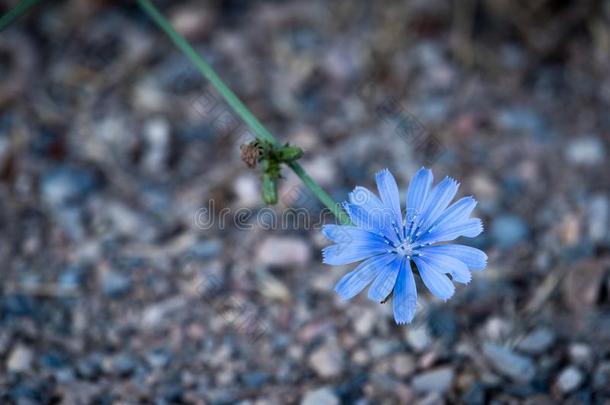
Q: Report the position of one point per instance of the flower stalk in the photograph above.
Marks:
(16, 12)
(240, 109)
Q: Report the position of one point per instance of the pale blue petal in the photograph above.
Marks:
(437, 282)
(438, 199)
(446, 264)
(374, 221)
(456, 213)
(355, 281)
(349, 234)
(474, 258)
(388, 190)
(418, 193)
(346, 253)
(376, 215)
(404, 301)
(469, 228)
(364, 197)
(385, 280)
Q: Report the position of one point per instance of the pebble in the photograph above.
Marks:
(67, 184)
(537, 342)
(585, 151)
(569, 379)
(403, 365)
(320, 396)
(365, 321)
(419, 339)
(247, 189)
(437, 380)
(581, 354)
(517, 367)
(284, 251)
(442, 324)
(206, 249)
(157, 135)
(601, 378)
(598, 214)
(159, 358)
(115, 284)
(474, 395)
(327, 361)
(20, 359)
(508, 230)
(583, 284)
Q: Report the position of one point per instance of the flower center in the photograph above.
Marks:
(405, 249)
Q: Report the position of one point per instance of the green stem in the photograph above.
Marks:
(16, 12)
(235, 103)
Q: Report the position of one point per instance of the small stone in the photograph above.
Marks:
(508, 230)
(159, 358)
(20, 359)
(569, 379)
(67, 184)
(586, 151)
(581, 354)
(320, 396)
(403, 365)
(598, 214)
(442, 324)
(255, 379)
(89, 368)
(379, 348)
(419, 339)
(123, 365)
(583, 283)
(474, 395)
(284, 252)
(437, 380)
(537, 342)
(327, 361)
(601, 378)
(115, 284)
(206, 249)
(157, 135)
(517, 367)
(497, 328)
(247, 189)
(364, 323)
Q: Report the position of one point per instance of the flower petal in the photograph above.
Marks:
(469, 228)
(385, 280)
(446, 264)
(438, 283)
(438, 199)
(474, 258)
(388, 190)
(418, 193)
(349, 234)
(404, 302)
(372, 211)
(355, 281)
(345, 253)
(364, 197)
(458, 212)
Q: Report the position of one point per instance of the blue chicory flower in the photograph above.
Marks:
(387, 242)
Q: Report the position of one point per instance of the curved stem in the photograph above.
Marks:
(235, 103)
(16, 12)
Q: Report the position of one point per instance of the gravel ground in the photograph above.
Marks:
(138, 264)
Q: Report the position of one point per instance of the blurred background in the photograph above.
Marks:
(121, 283)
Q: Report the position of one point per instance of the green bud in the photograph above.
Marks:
(269, 189)
(290, 153)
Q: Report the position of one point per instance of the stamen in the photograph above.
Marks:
(396, 230)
